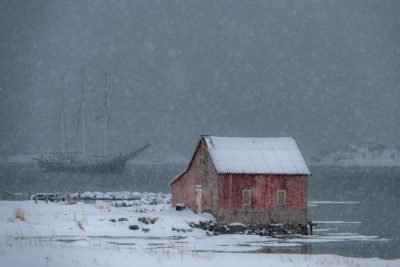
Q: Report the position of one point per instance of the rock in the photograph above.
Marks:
(236, 228)
(122, 219)
(120, 205)
(221, 229)
(275, 230)
(180, 206)
(147, 220)
(145, 230)
(112, 220)
(248, 232)
(181, 230)
(133, 227)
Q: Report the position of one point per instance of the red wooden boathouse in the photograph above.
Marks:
(245, 179)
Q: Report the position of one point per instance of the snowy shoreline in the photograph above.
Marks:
(85, 253)
(99, 233)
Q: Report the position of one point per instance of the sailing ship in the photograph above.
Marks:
(81, 162)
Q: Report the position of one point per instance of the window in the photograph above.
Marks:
(246, 197)
(281, 197)
(202, 161)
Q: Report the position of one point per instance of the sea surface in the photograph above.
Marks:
(357, 209)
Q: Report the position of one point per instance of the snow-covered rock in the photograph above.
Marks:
(366, 153)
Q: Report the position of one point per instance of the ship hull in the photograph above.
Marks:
(67, 163)
(101, 167)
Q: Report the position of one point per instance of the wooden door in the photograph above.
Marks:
(197, 209)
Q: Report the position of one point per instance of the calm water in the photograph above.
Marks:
(378, 191)
(140, 177)
(375, 191)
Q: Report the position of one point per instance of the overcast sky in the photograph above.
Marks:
(325, 72)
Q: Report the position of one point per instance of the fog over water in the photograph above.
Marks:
(324, 72)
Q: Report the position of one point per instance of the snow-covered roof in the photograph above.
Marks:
(256, 155)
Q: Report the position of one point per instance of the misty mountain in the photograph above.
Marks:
(363, 153)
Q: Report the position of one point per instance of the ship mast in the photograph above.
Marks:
(105, 115)
(83, 119)
(62, 120)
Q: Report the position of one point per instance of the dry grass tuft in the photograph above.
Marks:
(80, 226)
(84, 217)
(53, 234)
(140, 210)
(20, 214)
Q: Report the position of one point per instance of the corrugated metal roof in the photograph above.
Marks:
(256, 155)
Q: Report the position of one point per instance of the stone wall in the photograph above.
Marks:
(260, 216)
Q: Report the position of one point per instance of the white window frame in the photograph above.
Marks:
(284, 197)
(202, 161)
(246, 204)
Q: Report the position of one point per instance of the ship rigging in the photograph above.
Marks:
(81, 162)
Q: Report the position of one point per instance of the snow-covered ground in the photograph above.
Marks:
(86, 253)
(99, 234)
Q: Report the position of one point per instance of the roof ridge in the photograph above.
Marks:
(224, 136)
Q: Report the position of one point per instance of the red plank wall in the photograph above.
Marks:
(183, 189)
(263, 191)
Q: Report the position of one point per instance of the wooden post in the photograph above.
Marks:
(197, 209)
(4, 195)
(36, 198)
(29, 195)
(310, 225)
(47, 198)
